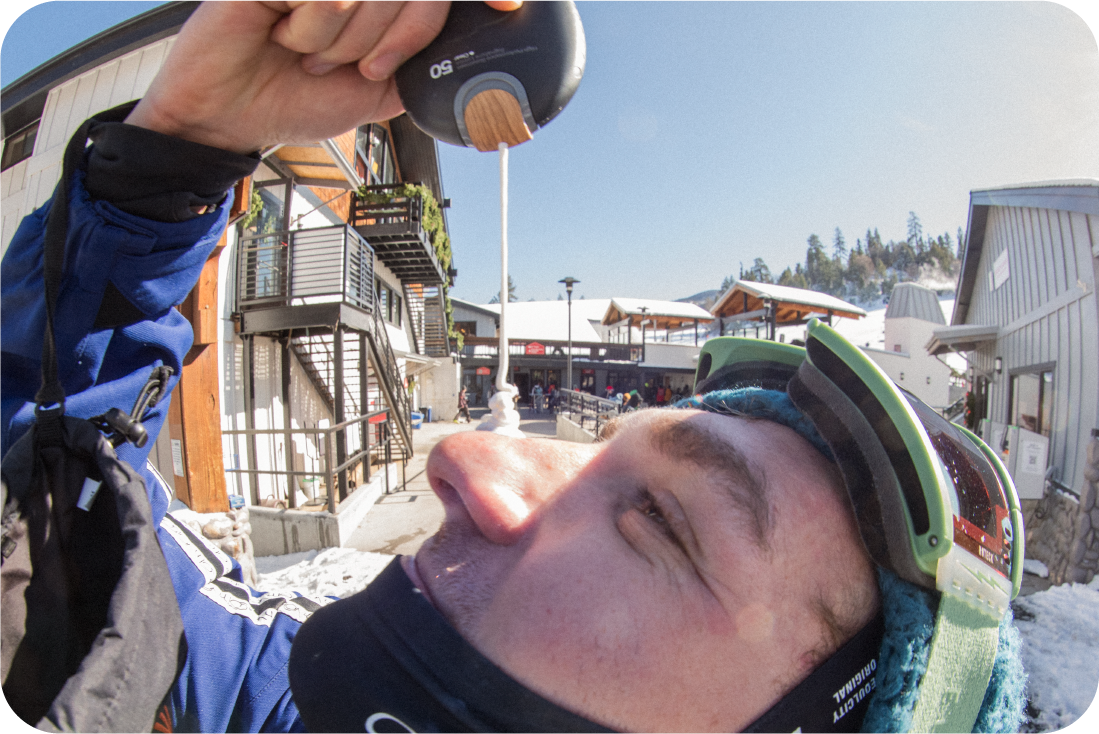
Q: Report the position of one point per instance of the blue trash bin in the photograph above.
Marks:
(417, 419)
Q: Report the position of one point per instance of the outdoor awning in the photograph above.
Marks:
(415, 363)
(961, 338)
(325, 164)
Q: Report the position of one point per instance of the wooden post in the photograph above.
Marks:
(197, 396)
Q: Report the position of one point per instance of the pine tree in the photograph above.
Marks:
(839, 245)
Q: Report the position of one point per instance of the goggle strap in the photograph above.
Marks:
(835, 696)
(765, 375)
(867, 471)
(959, 667)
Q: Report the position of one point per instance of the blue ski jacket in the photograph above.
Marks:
(238, 640)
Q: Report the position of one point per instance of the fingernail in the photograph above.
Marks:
(384, 66)
(317, 67)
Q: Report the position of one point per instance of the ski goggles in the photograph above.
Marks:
(933, 503)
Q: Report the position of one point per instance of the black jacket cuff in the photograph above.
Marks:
(156, 176)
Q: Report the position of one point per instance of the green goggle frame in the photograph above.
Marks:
(933, 503)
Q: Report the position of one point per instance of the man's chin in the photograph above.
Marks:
(452, 572)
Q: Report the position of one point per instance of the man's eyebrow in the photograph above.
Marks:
(743, 485)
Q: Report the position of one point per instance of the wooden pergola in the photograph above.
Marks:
(777, 305)
(658, 315)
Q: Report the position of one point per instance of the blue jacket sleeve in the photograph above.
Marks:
(234, 677)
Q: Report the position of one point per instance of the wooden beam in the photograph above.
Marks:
(196, 399)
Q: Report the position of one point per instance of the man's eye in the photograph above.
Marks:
(652, 511)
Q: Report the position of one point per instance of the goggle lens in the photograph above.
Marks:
(982, 516)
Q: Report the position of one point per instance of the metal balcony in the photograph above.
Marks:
(301, 278)
(395, 230)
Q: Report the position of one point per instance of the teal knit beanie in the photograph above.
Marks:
(908, 610)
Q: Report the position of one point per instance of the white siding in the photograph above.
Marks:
(1048, 313)
(29, 184)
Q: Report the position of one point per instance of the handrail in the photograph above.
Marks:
(326, 453)
(587, 408)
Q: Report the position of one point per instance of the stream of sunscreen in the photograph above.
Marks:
(503, 418)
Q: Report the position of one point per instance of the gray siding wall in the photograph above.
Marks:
(1047, 312)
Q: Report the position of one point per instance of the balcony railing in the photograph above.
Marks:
(298, 267)
(489, 348)
(395, 230)
(332, 455)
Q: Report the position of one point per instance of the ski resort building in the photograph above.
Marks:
(1027, 320)
(319, 318)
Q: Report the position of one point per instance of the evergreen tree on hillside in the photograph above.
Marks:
(758, 273)
(839, 245)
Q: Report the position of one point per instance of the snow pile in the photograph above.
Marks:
(332, 572)
(1060, 628)
(1035, 567)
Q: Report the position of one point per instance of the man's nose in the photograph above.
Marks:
(502, 482)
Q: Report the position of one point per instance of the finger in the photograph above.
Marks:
(504, 4)
(416, 26)
(312, 26)
(364, 28)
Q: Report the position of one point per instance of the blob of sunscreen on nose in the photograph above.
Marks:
(515, 506)
(755, 623)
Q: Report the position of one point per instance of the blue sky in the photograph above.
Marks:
(705, 135)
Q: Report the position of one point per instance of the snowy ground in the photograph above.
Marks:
(333, 572)
(1060, 629)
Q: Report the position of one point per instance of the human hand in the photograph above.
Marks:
(245, 75)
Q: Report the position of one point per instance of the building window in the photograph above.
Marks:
(1031, 401)
(20, 146)
(466, 328)
(375, 158)
(388, 302)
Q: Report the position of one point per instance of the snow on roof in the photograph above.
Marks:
(671, 309)
(821, 302)
(549, 320)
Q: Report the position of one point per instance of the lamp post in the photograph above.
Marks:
(569, 283)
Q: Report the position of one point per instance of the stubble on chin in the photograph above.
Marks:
(453, 565)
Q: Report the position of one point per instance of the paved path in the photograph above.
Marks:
(401, 521)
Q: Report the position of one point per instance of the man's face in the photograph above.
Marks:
(680, 576)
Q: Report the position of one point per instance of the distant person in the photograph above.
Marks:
(536, 396)
(463, 407)
(610, 392)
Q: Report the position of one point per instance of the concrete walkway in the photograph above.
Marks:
(400, 522)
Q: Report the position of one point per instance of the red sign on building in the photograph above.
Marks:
(535, 348)
(483, 370)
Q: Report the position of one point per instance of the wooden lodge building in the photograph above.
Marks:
(314, 315)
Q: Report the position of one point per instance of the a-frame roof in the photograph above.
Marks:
(746, 299)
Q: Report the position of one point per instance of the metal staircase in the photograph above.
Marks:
(436, 342)
(425, 304)
(314, 352)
